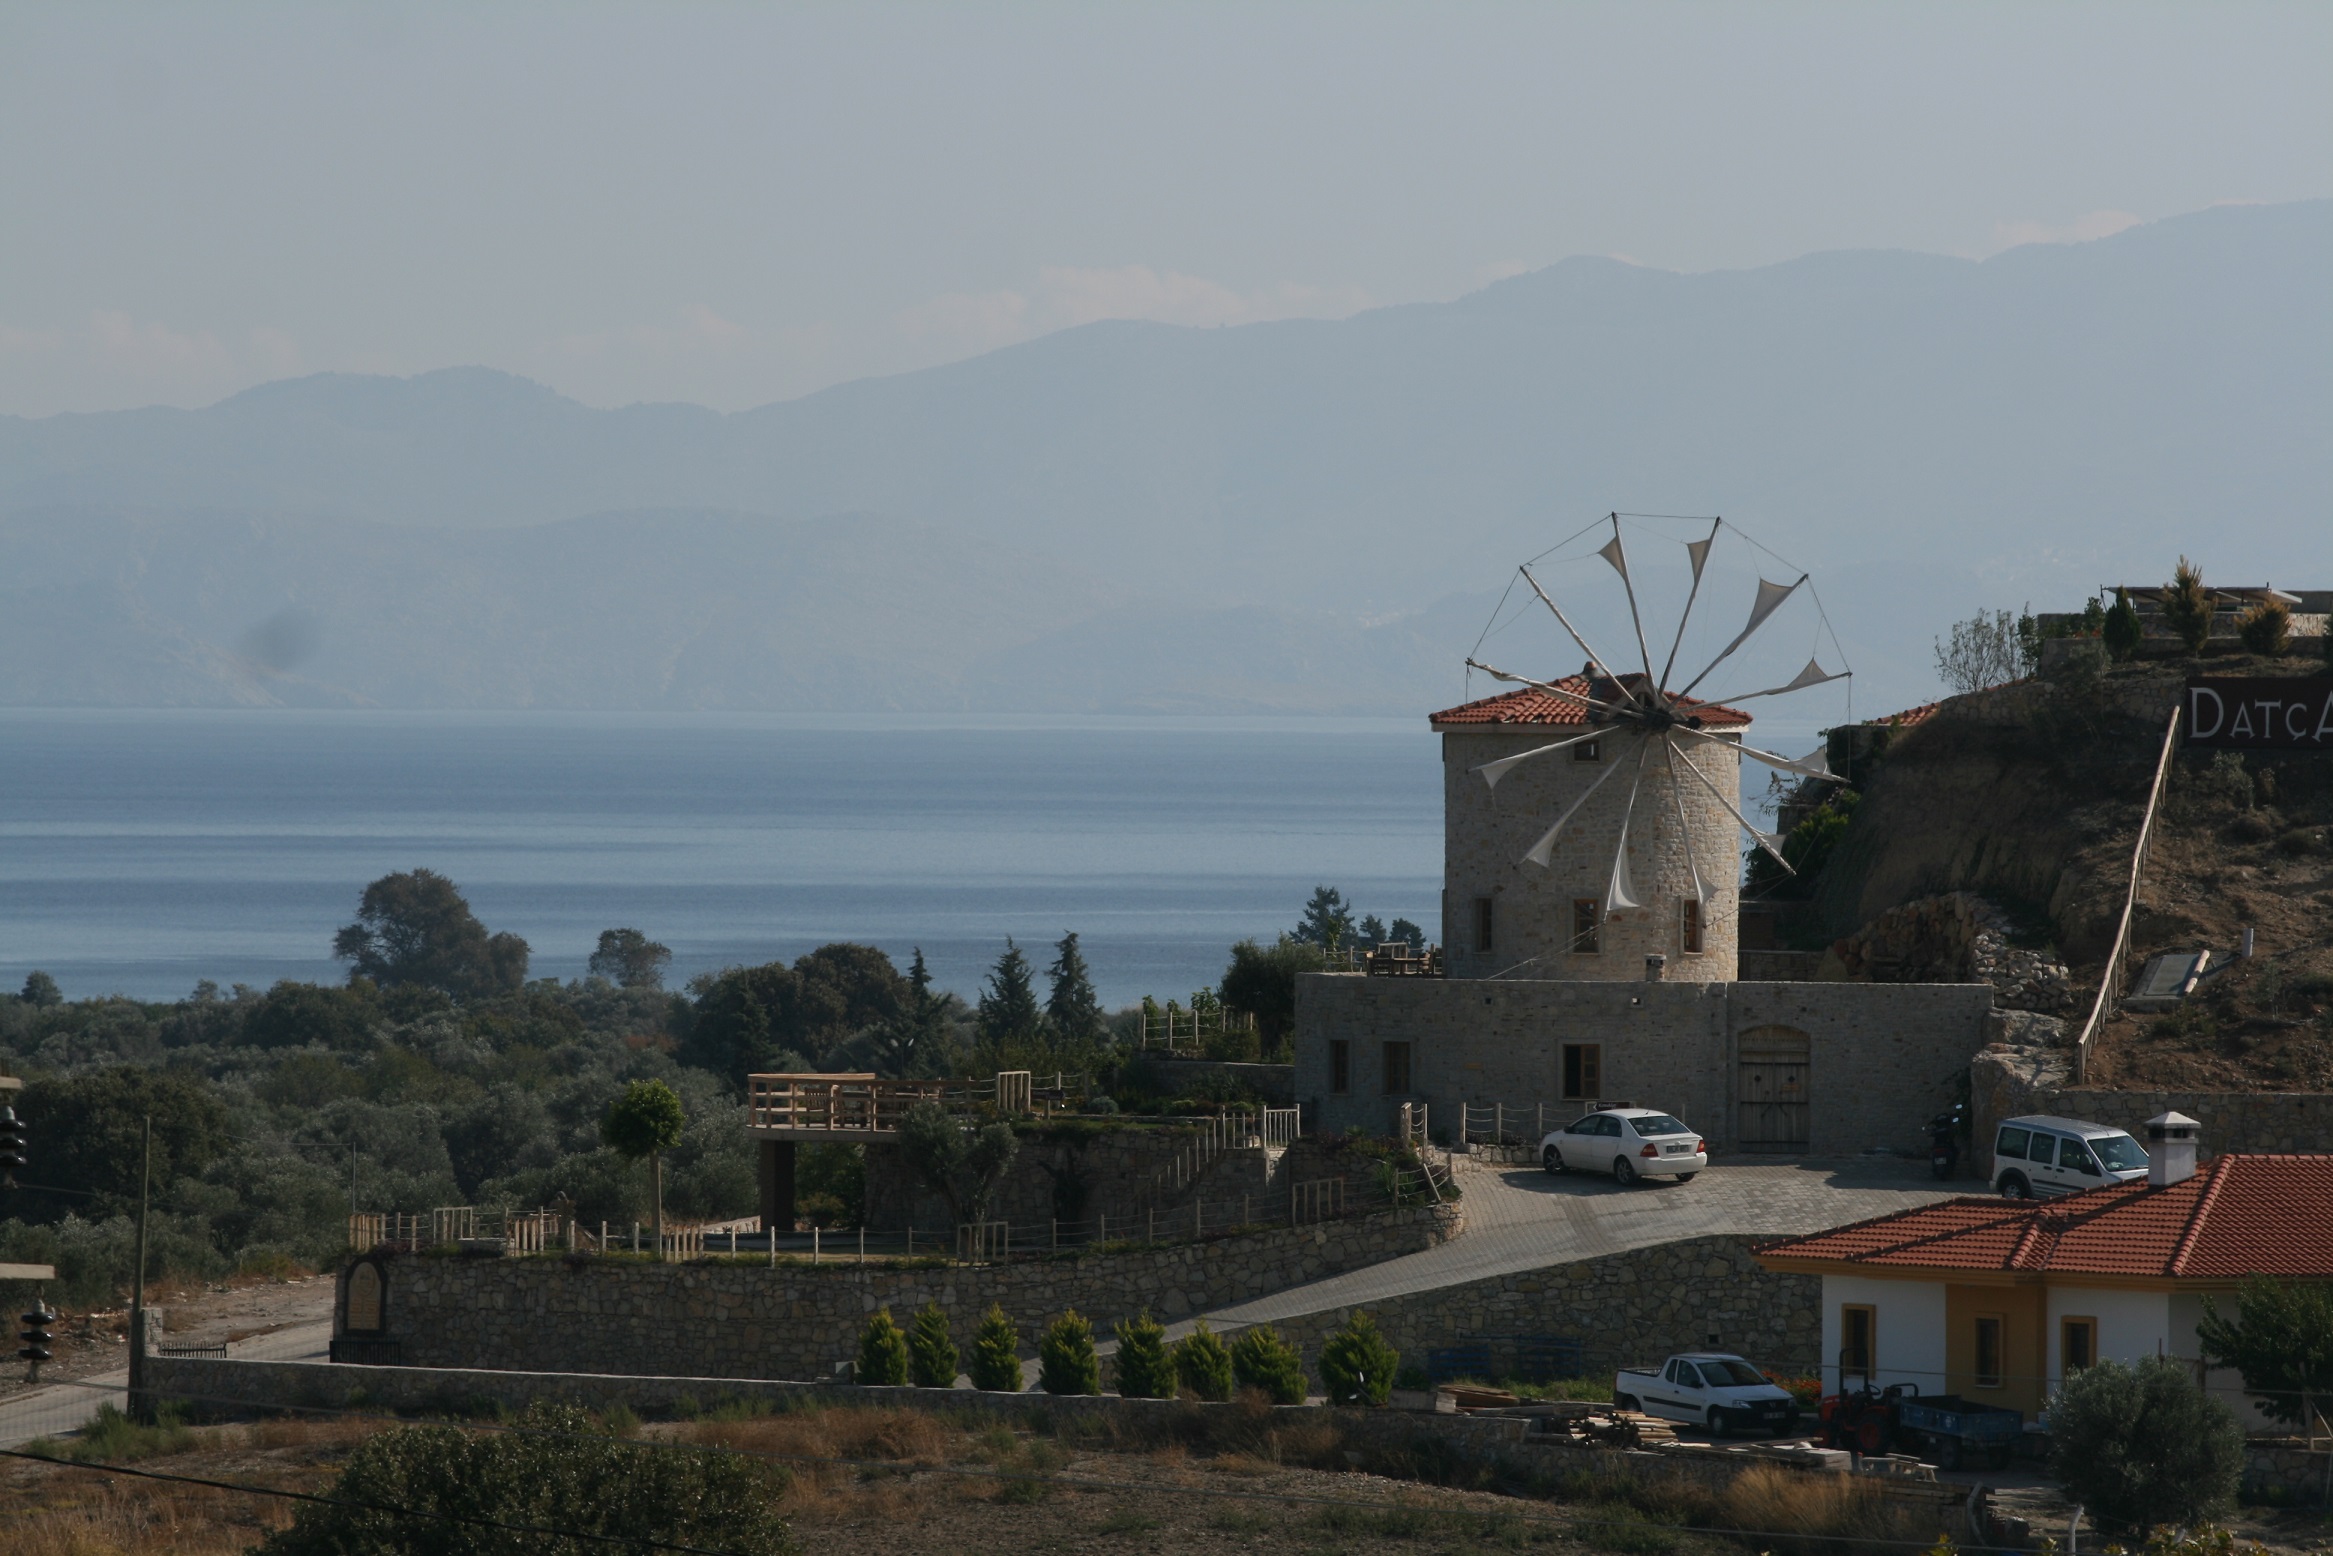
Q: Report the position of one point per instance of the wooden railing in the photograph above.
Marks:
(869, 1105)
(1280, 1126)
(2116, 979)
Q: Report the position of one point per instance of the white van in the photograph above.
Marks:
(2040, 1156)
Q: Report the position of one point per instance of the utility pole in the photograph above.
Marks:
(139, 1405)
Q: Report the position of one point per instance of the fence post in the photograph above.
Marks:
(1056, 1248)
(1198, 1218)
(862, 1245)
(1498, 1123)
(1104, 1235)
(813, 1245)
(1152, 1228)
(635, 1237)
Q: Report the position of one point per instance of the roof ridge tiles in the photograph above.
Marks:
(2218, 1173)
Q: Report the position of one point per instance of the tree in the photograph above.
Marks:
(1260, 1359)
(1984, 650)
(955, 1161)
(556, 1469)
(1203, 1363)
(2186, 606)
(2121, 629)
(2266, 629)
(882, 1353)
(1403, 929)
(414, 928)
(1261, 980)
(1072, 1008)
(646, 1120)
(1357, 1365)
(1143, 1370)
(996, 1353)
(40, 990)
(1066, 1363)
(629, 959)
(2143, 1446)
(85, 1131)
(775, 1017)
(294, 1015)
(2281, 1340)
(931, 1350)
(1327, 921)
(1008, 1009)
(1372, 933)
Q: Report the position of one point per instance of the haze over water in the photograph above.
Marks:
(142, 851)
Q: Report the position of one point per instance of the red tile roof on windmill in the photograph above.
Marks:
(1531, 706)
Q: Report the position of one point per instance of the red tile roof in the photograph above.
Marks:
(1530, 705)
(1909, 717)
(2239, 1215)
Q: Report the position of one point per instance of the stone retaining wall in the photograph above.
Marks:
(1630, 1309)
(745, 1319)
(2289, 1474)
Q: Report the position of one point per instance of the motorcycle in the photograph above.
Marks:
(1944, 1132)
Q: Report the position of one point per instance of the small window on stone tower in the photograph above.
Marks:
(1583, 1071)
(1397, 1069)
(1690, 923)
(1588, 751)
(1483, 924)
(1587, 916)
(1340, 1065)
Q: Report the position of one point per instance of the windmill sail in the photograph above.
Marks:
(1540, 852)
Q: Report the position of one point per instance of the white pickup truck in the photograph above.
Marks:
(1707, 1388)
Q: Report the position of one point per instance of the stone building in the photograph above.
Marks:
(1602, 967)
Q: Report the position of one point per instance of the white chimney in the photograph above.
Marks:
(2170, 1149)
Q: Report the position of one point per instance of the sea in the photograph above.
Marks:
(142, 851)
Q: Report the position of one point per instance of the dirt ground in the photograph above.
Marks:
(896, 1482)
(95, 1342)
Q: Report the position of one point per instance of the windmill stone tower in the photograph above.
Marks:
(1618, 883)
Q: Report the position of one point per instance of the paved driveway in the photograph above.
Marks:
(66, 1407)
(1521, 1218)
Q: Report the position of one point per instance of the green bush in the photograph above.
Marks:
(2121, 628)
(2281, 1340)
(996, 1353)
(931, 1350)
(1260, 1359)
(2186, 607)
(1143, 1369)
(2143, 1446)
(2266, 628)
(1202, 1364)
(882, 1353)
(556, 1471)
(1356, 1364)
(1066, 1363)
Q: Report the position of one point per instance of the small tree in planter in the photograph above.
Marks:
(1143, 1369)
(1202, 1364)
(2266, 628)
(2121, 629)
(882, 1352)
(1066, 1363)
(1356, 1365)
(1260, 1359)
(931, 1350)
(996, 1353)
(2143, 1446)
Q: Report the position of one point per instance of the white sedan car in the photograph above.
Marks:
(1629, 1143)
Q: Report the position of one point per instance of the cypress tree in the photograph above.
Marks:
(1144, 1370)
(1260, 1359)
(1066, 1363)
(931, 1350)
(1008, 1010)
(1202, 1364)
(1357, 1365)
(996, 1353)
(1072, 1008)
(882, 1352)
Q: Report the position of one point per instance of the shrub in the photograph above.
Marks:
(1065, 1357)
(1356, 1364)
(2186, 607)
(996, 1353)
(1143, 1369)
(2300, 840)
(2141, 1446)
(1260, 1359)
(2266, 628)
(557, 1471)
(2121, 627)
(882, 1352)
(1202, 1364)
(931, 1350)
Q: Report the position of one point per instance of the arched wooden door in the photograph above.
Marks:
(1773, 1087)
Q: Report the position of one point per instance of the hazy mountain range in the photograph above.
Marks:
(1303, 516)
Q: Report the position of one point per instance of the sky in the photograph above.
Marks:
(731, 204)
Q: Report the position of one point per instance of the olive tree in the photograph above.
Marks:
(2143, 1446)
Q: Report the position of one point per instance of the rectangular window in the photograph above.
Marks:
(1397, 1069)
(2077, 1343)
(1690, 936)
(1340, 1065)
(1587, 915)
(1588, 751)
(1483, 924)
(2012, 1143)
(1583, 1071)
(1988, 1368)
(1858, 1344)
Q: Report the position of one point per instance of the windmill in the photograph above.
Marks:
(1657, 733)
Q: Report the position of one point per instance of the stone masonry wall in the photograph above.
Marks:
(1074, 1174)
(745, 1319)
(1883, 1058)
(1486, 832)
(1630, 1309)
